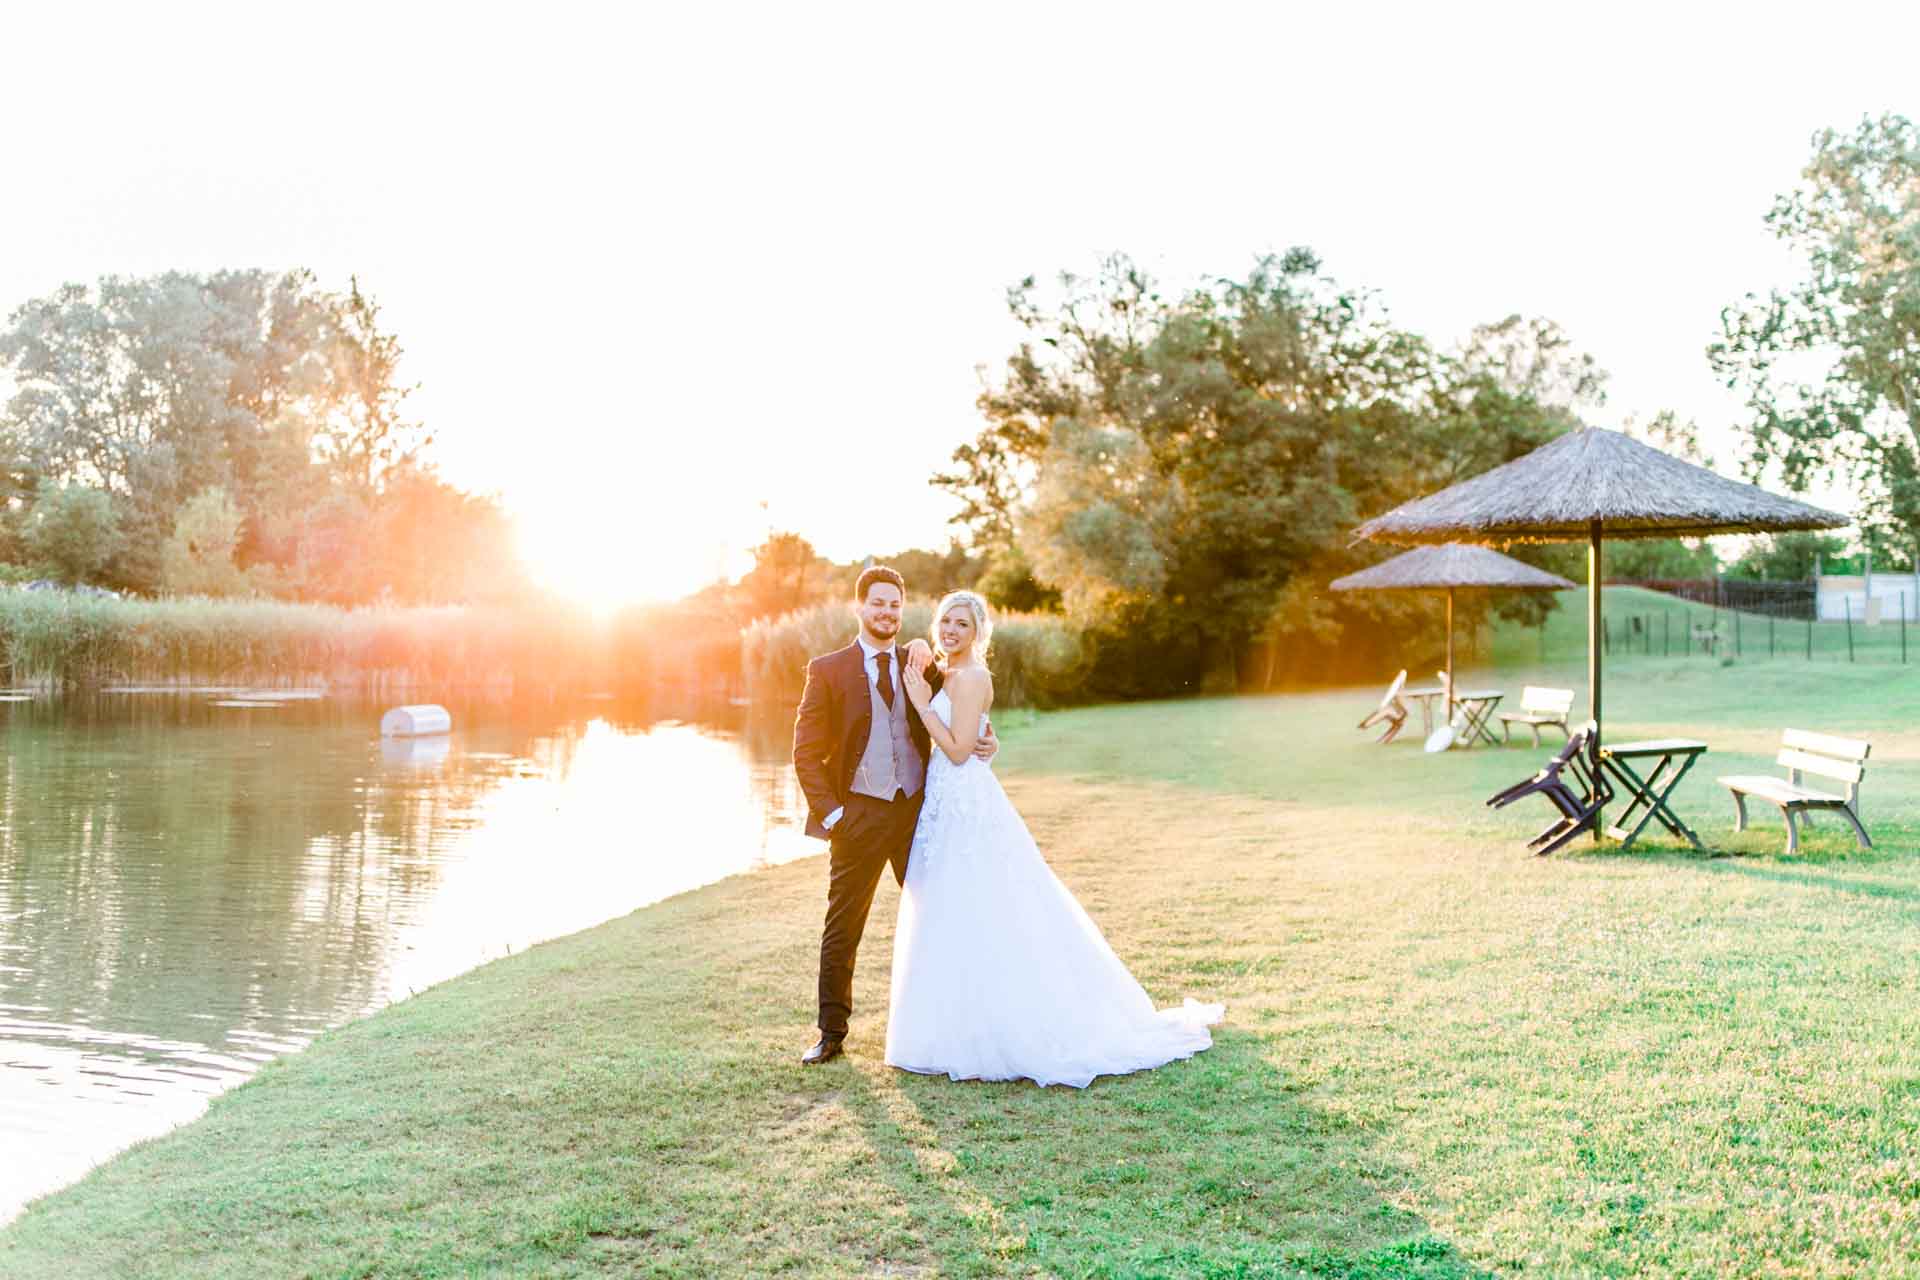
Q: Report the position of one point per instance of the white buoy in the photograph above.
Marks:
(417, 721)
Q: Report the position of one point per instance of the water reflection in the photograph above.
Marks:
(187, 890)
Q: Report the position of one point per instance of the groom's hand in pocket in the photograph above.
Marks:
(848, 828)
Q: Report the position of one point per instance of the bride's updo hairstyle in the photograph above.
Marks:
(982, 622)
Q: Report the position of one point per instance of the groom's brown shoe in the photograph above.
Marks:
(825, 1051)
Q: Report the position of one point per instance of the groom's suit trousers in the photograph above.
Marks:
(871, 835)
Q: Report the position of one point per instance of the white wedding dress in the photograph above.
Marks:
(998, 974)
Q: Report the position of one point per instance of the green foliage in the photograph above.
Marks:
(284, 396)
(198, 559)
(1788, 557)
(931, 573)
(1660, 559)
(73, 531)
(1185, 472)
(1009, 581)
(1831, 366)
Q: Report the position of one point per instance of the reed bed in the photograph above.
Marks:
(68, 640)
(1038, 659)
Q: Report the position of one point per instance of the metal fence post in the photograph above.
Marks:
(1816, 609)
(1848, 602)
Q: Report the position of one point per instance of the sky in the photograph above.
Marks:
(670, 277)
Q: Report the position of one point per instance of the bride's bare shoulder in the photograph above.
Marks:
(974, 678)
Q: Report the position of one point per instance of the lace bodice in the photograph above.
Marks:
(948, 784)
(943, 707)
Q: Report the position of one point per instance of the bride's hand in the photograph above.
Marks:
(919, 692)
(919, 656)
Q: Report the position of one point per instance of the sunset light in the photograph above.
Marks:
(769, 640)
(593, 560)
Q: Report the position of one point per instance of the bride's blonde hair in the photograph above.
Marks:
(982, 622)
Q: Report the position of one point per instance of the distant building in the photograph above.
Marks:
(1842, 593)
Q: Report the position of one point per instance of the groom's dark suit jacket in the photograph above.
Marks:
(830, 732)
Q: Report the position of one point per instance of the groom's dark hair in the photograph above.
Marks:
(879, 573)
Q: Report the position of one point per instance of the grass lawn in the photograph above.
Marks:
(1442, 1057)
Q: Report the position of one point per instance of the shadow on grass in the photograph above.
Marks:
(1213, 1167)
(1812, 879)
(1812, 867)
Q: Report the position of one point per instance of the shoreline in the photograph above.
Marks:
(11, 1211)
(1426, 1031)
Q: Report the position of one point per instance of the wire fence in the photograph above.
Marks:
(1745, 595)
(1734, 619)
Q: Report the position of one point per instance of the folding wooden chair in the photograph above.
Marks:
(1391, 711)
(1571, 784)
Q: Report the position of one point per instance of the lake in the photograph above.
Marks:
(189, 889)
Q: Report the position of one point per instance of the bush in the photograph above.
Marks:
(1038, 659)
(72, 531)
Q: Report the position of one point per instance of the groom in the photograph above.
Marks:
(861, 754)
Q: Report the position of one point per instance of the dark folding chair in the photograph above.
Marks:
(1391, 710)
(1571, 784)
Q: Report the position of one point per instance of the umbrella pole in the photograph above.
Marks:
(1593, 657)
(1449, 655)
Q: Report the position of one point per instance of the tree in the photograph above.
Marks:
(198, 559)
(72, 532)
(1831, 366)
(1787, 557)
(158, 388)
(1660, 560)
(1008, 582)
(427, 542)
(1186, 470)
(1189, 457)
(361, 432)
(1080, 349)
(931, 574)
(787, 574)
(1512, 386)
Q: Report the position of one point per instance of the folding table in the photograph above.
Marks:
(1647, 796)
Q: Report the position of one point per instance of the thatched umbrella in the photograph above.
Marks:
(1584, 487)
(1445, 568)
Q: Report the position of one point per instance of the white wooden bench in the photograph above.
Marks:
(1842, 759)
(1539, 706)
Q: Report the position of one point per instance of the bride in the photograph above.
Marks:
(998, 974)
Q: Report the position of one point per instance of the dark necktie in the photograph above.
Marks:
(886, 679)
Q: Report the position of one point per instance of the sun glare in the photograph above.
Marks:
(604, 567)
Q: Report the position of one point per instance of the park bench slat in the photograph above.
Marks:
(1821, 754)
(1825, 744)
(1807, 762)
(1780, 791)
